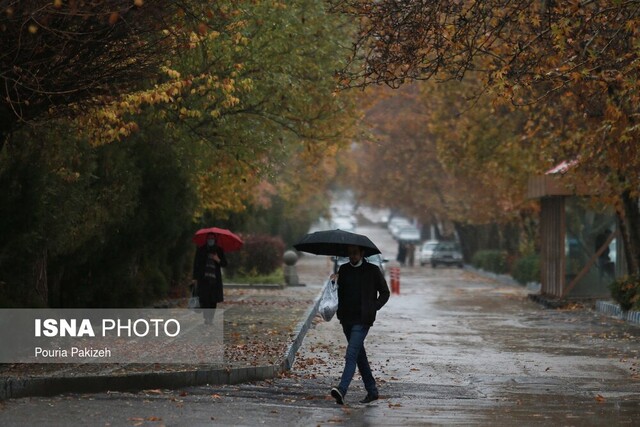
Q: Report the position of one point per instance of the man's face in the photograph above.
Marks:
(355, 254)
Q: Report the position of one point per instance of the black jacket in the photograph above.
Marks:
(362, 291)
(208, 291)
(200, 260)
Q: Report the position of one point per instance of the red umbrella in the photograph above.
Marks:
(224, 238)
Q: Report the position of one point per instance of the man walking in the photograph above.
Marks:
(362, 291)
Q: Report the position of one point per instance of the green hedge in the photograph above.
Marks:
(527, 269)
(491, 260)
(626, 292)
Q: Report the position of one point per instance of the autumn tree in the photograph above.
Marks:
(61, 53)
(446, 165)
(398, 163)
(241, 112)
(482, 146)
(252, 82)
(576, 59)
(276, 100)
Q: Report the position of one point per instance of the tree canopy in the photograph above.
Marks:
(201, 113)
(61, 53)
(577, 61)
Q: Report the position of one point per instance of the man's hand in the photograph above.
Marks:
(333, 277)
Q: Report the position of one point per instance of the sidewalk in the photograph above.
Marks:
(606, 307)
(263, 329)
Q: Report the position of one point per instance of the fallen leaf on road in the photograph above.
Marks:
(600, 399)
(395, 405)
(216, 396)
(154, 391)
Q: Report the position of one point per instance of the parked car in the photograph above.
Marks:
(345, 223)
(408, 234)
(426, 252)
(376, 259)
(447, 253)
(396, 223)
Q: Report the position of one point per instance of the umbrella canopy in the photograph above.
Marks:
(224, 238)
(335, 242)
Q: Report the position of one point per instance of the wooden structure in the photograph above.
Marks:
(554, 190)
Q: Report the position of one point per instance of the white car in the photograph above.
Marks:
(447, 253)
(408, 234)
(397, 223)
(344, 223)
(426, 252)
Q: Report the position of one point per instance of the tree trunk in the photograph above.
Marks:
(40, 279)
(55, 287)
(511, 238)
(5, 127)
(472, 238)
(468, 240)
(630, 230)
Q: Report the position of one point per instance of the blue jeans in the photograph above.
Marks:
(356, 356)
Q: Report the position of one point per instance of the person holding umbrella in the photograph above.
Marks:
(207, 275)
(362, 291)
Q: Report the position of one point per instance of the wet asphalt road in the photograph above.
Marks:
(452, 349)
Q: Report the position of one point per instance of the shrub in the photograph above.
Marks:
(260, 255)
(491, 260)
(275, 278)
(626, 292)
(153, 282)
(527, 269)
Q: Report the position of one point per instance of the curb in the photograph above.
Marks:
(550, 303)
(302, 329)
(614, 310)
(11, 388)
(41, 386)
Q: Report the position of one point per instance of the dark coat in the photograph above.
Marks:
(209, 291)
(362, 291)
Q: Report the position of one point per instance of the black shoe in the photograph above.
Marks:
(369, 398)
(337, 395)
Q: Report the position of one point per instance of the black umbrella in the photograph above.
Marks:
(335, 242)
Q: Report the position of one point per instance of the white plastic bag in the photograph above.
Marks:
(194, 303)
(328, 301)
(194, 300)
